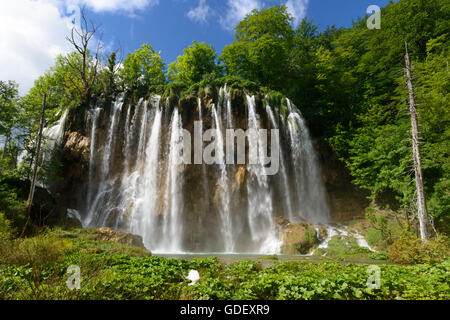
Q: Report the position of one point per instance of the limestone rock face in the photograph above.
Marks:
(78, 147)
(346, 200)
(75, 160)
(299, 238)
(108, 234)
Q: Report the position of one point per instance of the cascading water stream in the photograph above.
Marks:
(138, 184)
(310, 191)
(261, 220)
(144, 218)
(106, 182)
(94, 113)
(224, 192)
(172, 228)
(286, 189)
(53, 136)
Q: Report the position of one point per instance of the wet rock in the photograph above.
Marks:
(298, 238)
(77, 147)
(240, 175)
(108, 234)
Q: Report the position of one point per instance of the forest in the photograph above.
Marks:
(351, 87)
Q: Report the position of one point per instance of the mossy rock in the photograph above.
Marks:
(298, 238)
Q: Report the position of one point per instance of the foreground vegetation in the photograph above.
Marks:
(349, 84)
(35, 268)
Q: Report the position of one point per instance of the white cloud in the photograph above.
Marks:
(117, 5)
(236, 11)
(297, 8)
(32, 33)
(200, 13)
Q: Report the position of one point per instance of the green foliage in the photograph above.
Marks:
(36, 269)
(109, 76)
(408, 249)
(8, 106)
(380, 231)
(372, 127)
(309, 240)
(42, 249)
(378, 256)
(6, 229)
(142, 69)
(260, 49)
(343, 247)
(10, 122)
(198, 63)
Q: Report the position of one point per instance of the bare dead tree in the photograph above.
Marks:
(421, 201)
(80, 38)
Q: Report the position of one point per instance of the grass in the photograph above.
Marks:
(36, 269)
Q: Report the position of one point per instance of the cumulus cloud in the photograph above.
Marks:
(297, 8)
(200, 13)
(32, 33)
(116, 5)
(236, 11)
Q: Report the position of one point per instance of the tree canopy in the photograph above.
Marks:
(142, 69)
(197, 62)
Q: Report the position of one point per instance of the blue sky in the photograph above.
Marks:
(32, 32)
(168, 28)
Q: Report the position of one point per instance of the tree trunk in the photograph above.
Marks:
(5, 147)
(36, 159)
(421, 202)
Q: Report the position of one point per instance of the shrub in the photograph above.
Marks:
(6, 229)
(375, 238)
(408, 249)
(41, 249)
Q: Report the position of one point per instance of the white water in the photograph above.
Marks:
(172, 231)
(343, 232)
(94, 113)
(310, 189)
(224, 192)
(94, 218)
(144, 192)
(145, 224)
(260, 215)
(283, 172)
(51, 138)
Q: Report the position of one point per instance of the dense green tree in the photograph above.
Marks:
(9, 110)
(372, 132)
(109, 76)
(142, 69)
(260, 50)
(197, 62)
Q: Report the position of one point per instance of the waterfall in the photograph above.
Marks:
(106, 181)
(138, 184)
(224, 193)
(310, 190)
(260, 217)
(144, 220)
(94, 113)
(172, 228)
(51, 138)
(286, 188)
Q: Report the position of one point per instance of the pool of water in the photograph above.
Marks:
(265, 260)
